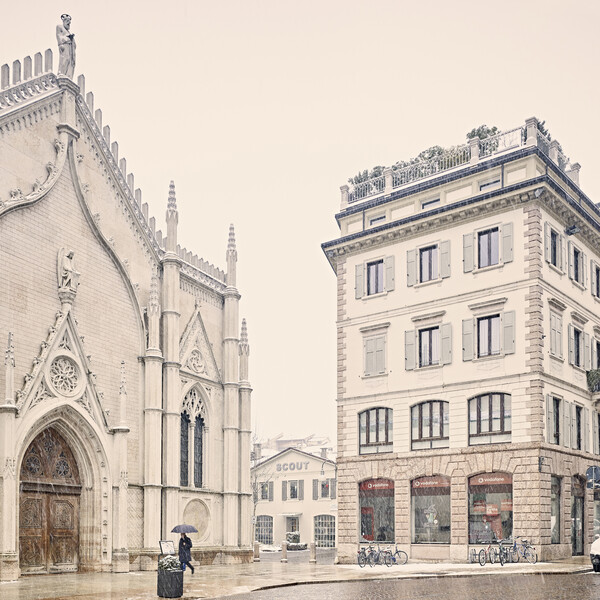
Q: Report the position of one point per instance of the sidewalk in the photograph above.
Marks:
(225, 580)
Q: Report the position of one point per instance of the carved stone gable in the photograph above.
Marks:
(62, 372)
(195, 351)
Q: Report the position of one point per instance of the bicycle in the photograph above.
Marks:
(490, 553)
(375, 557)
(504, 552)
(524, 549)
(361, 558)
(398, 557)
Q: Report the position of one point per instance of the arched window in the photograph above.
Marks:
(264, 529)
(489, 419)
(377, 515)
(430, 499)
(184, 449)
(429, 424)
(375, 430)
(198, 441)
(490, 507)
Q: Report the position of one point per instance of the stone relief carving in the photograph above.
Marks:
(196, 362)
(66, 47)
(68, 276)
(64, 375)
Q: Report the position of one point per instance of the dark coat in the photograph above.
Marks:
(184, 549)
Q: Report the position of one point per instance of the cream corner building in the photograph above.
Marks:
(468, 351)
(126, 401)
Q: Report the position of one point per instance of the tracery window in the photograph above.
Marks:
(198, 439)
(184, 457)
(193, 432)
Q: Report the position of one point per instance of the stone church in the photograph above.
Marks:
(126, 406)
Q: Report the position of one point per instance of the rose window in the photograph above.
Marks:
(63, 375)
(33, 464)
(62, 468)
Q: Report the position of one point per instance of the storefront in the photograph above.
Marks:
(376, 498)
(577, 512)
(490, 507)
(430, 510)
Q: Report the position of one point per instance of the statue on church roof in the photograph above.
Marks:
(66, 47)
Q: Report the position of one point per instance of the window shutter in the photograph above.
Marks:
(301, 489)
(359, 277)
(508, 325)
(409, 350)
(547, 255)
(446, 335)
(369, 356)
(563, 254)
(585, 428)
(594, 354)
(573, 408)
(390, 279)
(332, 489)
(559, 344)
(507, 242)
(284, 490)
(467, 339)
(445, 259)
(571, 344)
(380, 354)
(593, 277)
(553, 340)
(570, 255)
(595, 432)
(467, 253)
(411, 267)
(583, 269)
(587, 351)
(315, 489)
(549, 419)
(270, 491)
(567, 424)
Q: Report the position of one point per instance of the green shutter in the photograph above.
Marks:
(467, 339)
(359, 277)
(508, 326)
(507, 242)
(446, 346)
(467, 253)
(547, 237)
(411, 267)
(445, 259)
(390, 279)
(409, 350)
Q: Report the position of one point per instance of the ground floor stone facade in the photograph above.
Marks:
(533, 490)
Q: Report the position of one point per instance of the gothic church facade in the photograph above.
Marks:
(126, 401)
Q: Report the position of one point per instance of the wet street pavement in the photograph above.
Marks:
(581, 586)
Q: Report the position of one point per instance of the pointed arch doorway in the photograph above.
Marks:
(49, 499)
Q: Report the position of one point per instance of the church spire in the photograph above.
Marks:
(172, 220)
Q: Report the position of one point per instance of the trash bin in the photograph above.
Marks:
(170, 584)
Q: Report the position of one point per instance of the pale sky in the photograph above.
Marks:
(260, 110)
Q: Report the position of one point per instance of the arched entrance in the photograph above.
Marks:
(49, 497)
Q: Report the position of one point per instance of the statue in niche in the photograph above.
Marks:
(68, 276)
(66, 47)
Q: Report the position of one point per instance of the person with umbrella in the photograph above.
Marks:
(185, 545)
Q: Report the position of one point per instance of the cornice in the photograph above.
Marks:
(557, 304)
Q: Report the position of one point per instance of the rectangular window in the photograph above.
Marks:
(429, 347)
(375, 430)
(264, 491)
(555, 434)
(555, 509)
(489, 185)
(597, 362)
(597, 281)
(375, 277)
(577, 274)
(488, 336)
(554, 248)
(374, 348)
(428, 263)
(429, 203)
(578, 442)
(325, 488)
(293, 490)
(376, 220)
(556, 334)
(577, 347)
(488, 248)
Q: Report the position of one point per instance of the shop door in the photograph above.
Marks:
(49, 507)
(577, 494)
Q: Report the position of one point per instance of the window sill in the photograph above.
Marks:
(578, 284)
(488, 268)
(489, 357)
(374, 376)
(557, 358)
(578, 368)
(421, 284)
(429, 367)
(557, 269)
(377, 295)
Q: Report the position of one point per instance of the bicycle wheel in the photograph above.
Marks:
(362, 560)
(493, 555)
(482, 557)
(401, 557)
(530, 555)
(514, 555)
(502, 556)
(371, 558)
(388, 559)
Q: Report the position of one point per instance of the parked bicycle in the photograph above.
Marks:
(523, 549)
(376, 557)
(362, 557)
(398, 557)
(488, 554)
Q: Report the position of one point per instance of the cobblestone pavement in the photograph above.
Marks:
(582, 586)
(226, 580)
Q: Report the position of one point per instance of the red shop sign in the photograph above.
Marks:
(429, 482)
(479, 506)
(506, 505)
(377, 484)
(491, 509)
(491, 479)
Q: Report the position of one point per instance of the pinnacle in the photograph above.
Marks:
(244, 334)
(231, 242)
(172, 203)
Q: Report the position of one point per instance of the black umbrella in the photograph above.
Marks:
(184, 529)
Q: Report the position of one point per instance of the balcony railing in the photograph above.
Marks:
(458, 156)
